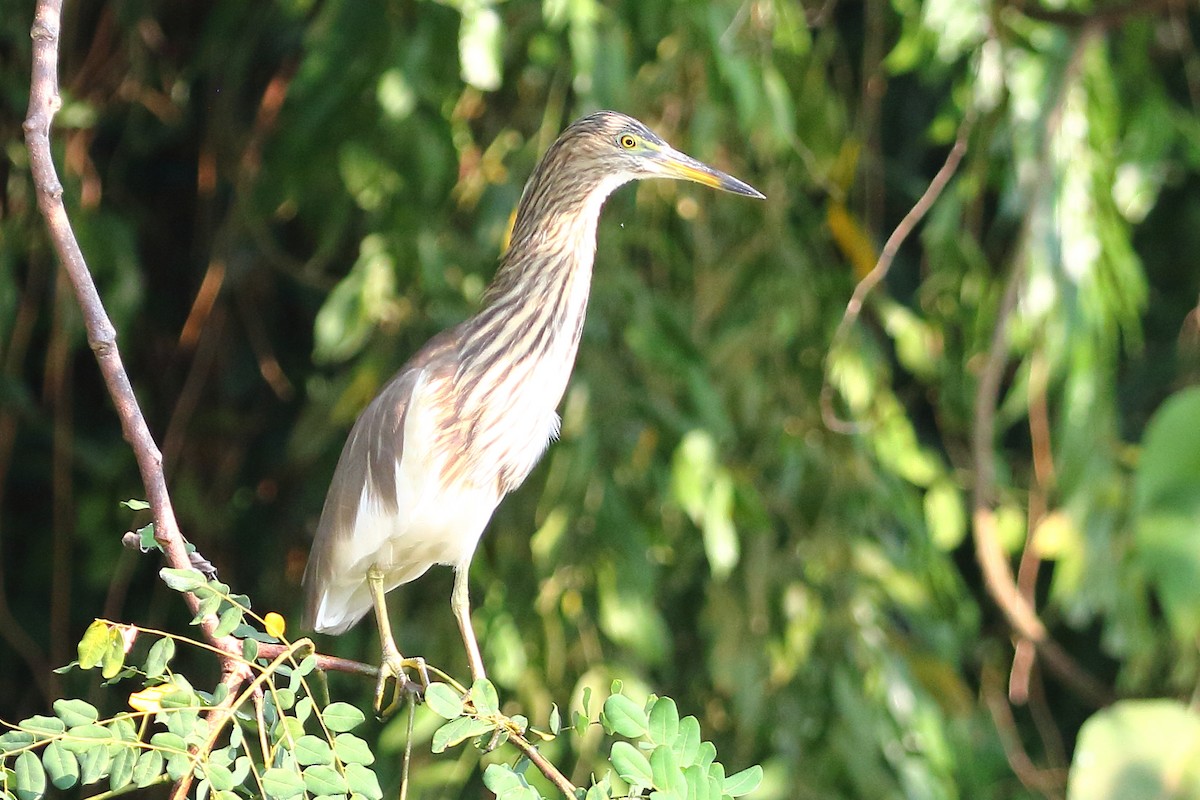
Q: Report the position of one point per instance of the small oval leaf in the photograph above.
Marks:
(443, 701)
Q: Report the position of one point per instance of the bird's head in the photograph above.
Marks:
(608, 144)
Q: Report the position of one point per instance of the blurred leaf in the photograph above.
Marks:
(1148, 749)
(1167, 510)
(479, 45)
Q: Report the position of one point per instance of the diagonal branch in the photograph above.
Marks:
(44, 103)
(884, 264)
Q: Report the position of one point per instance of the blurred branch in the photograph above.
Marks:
(997, 572)
(1048, 782)
(886, 256)
(1043, 485)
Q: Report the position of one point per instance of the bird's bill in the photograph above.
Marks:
(678, 165)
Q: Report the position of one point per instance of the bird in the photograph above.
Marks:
(465, 420)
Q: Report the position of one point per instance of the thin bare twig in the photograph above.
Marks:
(1043, 484)
(886, 256)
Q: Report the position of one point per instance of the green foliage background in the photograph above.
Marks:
(282, 200)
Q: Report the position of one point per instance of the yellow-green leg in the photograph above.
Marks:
(460, 603)
(392, 663)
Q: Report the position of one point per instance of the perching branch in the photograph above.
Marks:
(44, 103)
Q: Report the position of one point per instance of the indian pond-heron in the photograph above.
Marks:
(465, 420)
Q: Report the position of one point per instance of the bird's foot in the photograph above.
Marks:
(395, 685)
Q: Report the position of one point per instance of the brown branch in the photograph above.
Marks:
(886, 256)
(544, 766)
(998, 576)
(44, 103)
(1043, 484)
(997, 573)
(1048, 782)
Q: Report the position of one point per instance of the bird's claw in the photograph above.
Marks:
(392, 671)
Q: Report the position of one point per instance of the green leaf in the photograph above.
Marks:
(287, 730)
(12, 741)
(148, 768)
(362, 780)
(944, 514)
(705, 754)
(82, 738)
(249, 649)
(282, 783)
(43, 725)
(664, 766)
(146, 540)
(121, 772)
(1167, 510)
(182, 580)
(483, 696)
(500, 777)
(696, 779)
(61, 765)
(323, 779)
(622, 715)
(1137, 748)
(663, 725)
(114, 654)
(555, 719)
(159, 656)
(167, 741)
(579, 723)
(631, 765)
(94, 764)
(75, 712)
(352, 750)
(30, 777)
(744, 782)
(340, 717)
(219, 776)
(284, 698)
(178, 765)
(457, 731)
(302, 670)
(230, 618)
(687, 741)
(312, 750)
(443, 701)
(135, 505)
(93, 645)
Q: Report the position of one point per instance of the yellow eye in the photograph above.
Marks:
(628, 142)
